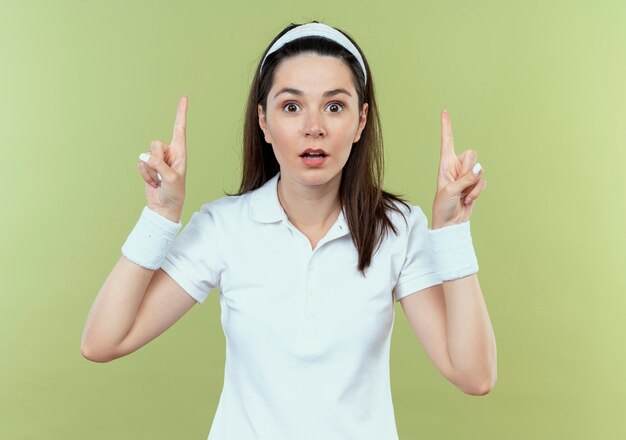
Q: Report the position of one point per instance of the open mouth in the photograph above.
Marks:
(314, 154)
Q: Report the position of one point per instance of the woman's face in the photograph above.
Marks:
(312, 105)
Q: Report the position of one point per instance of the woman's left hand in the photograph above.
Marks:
(457, 186)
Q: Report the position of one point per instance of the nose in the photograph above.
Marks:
(314, 126)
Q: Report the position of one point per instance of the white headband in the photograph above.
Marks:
(316, 30)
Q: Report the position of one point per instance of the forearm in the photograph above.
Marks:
(470, 336)
(114, 309)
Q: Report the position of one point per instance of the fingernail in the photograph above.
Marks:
(476, 168)
(144, 157)
(159, 176)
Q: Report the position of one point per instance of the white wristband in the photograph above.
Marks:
(150, 240)
(453, 251)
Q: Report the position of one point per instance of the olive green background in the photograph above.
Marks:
(537, 88)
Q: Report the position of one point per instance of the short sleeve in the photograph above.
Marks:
(193, 260)
(418, 271)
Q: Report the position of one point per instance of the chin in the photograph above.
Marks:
(313, 176)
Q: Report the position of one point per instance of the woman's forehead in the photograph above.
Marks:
(312, 74)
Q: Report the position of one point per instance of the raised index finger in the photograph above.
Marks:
(447, 143)
(180, 125)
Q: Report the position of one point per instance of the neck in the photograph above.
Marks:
(310, 206)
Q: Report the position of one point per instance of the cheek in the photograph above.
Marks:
(283, 131)
(283, 140)
(348, 130)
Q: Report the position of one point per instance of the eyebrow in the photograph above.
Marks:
(300, 92)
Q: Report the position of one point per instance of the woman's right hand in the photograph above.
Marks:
(167, 197)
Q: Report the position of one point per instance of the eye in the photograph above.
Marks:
(290, 107)
(335, 107)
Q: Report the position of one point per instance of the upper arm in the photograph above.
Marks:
(164, 303)
(426, 312)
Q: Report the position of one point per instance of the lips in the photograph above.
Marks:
(313, 152)
(313, 157)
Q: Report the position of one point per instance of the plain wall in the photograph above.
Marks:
(536, 88)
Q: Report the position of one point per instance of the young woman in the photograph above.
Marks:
(309, 257)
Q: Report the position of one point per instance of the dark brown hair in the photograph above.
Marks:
(364, 202)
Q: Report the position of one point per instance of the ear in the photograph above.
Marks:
(362, 122)
(263, 124)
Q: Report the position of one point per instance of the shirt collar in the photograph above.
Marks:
(264, 204)
(266, 208)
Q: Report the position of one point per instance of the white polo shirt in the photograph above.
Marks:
(307, 336)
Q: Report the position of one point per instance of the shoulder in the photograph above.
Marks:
(225, 205)
(233, 204)
(407, 217)
(229, 212)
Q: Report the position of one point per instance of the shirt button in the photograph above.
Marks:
(310, 292)
(311, 314)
